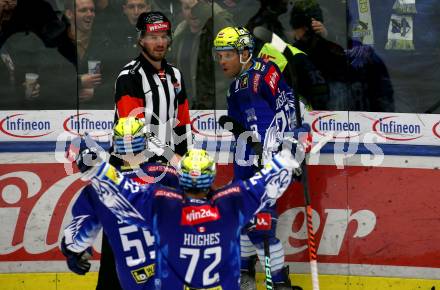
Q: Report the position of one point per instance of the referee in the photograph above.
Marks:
(150, 88)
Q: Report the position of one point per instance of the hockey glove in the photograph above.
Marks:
(85, 152)
(302, 134)
(76, 262)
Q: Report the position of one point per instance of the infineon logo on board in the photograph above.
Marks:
(397, 129)
(332, 123)
(83, 123)
(208, 126)
(23, 126)
(436, 129)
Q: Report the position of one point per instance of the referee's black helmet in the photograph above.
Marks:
(153, 21)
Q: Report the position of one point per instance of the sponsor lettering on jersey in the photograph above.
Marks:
(223, 193)
(256, 83)
(264, 221)
(161, 168)
(141, 275)
(272, 78)
(198, 240)
(193, 215)
(281, 100)
(168, 194)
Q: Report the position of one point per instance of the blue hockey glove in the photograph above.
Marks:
(76, 262)
(85, 152)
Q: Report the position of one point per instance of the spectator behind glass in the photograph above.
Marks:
(125, 34)
(406, 36)
(168, 7)
(267, 16)
(328, 57)
(357, 78)
(96, 87)
(39, 17)
(241, 10)
(55, 87)
(192, 52)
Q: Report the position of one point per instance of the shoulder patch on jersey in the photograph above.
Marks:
(226, 192)
(272, 78)
(193, 215)
(141, 275)
(168, 194)
(114, 175)
(244, 82)
(259, 66)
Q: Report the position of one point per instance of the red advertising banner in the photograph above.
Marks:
(362, 215)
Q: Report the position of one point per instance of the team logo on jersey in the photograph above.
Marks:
(193, 215)
(142, 275)
(264, 221)
(272, 78)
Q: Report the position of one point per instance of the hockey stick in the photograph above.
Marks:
(268, 36)
(237, 129)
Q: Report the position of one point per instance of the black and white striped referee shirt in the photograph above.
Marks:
(159, 96)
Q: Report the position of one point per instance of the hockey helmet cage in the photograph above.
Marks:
(196, 170)
(129, 136)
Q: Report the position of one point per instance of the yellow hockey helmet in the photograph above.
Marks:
(238, 38)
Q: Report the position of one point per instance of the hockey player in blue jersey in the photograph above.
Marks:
(196, 229)
(132, 246)
(260, 101)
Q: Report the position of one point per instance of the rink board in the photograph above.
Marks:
(69, 281)
(375, 208)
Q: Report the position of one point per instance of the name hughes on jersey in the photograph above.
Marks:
(201, 239)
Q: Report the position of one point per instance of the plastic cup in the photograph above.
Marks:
(94, 66)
